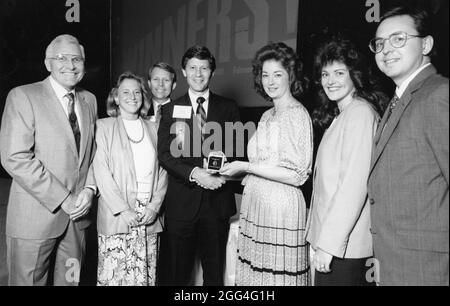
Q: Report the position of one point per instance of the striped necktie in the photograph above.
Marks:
(201, 114)
(73, 119)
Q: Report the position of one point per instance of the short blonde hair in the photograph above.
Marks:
(113, 110)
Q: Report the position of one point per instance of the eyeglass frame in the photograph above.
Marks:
(408, 36)
(63, 59)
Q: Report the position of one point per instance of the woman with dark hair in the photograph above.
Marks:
(339, 220)
(132, 186)
(272, 249)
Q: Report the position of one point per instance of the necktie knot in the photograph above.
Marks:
(70, 97)
(201, 100)
(393, 102)
(158, 112)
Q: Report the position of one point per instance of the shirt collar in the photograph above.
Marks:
(59, 90)
(399, 91)
(194, 96)
(157, 103)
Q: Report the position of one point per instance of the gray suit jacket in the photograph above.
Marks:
(38, 150)
(408, 186)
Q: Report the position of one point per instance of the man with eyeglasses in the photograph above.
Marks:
(408, 184)
(47, 146)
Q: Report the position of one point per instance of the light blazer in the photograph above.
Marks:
(339, 218)
(116, 176)
(409, 186)
(38, 150)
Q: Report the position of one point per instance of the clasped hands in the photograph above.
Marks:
(78, 206)
(213, 180)
(208, 179)
(134, 219)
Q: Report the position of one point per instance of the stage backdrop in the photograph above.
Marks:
(146, 32)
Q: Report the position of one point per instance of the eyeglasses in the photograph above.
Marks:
(397, 40)
(65, 59)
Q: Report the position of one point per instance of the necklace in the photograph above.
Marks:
(141, 138)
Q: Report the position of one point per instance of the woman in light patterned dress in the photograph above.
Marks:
(131, 185)
(272, 250)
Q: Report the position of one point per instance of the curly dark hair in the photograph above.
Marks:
(113, 110)
(339, 48)
(284, 54)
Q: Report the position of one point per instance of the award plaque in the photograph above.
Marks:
(215, 161)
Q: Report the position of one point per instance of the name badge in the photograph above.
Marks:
(182, 112)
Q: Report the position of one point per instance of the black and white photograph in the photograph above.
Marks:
(223, 149)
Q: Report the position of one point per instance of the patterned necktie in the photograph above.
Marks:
(73, 120)
(201, 114)
(392, 105)
(158, 112)
(394, 101)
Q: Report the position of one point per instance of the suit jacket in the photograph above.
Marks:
(116, 176)
(38, 150)
(339, 220)
(184, 197)
(409, 186)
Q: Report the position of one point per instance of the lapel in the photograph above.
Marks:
(213, 114)
(54, 107)
(84, 122)
(382, 137)
(150, 133)
(187, 102)
(126, 149)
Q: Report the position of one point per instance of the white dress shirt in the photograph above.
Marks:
(401, 89)
(155, 108)
(61, 93)
(194, 96)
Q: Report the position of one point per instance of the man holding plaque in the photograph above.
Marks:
(198, 202)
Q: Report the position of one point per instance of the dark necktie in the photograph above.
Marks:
(201, 114)
(158, 112)
(391, 107)
(73, 120)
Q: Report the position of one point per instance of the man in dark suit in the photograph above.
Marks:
(47, 146)
(409, 178)
(198, 203)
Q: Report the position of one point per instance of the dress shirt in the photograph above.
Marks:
(194, 96)
(155, 108)
(61, 93)
(401, 89)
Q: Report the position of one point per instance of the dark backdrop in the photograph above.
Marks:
(28, 26)
(319, 18)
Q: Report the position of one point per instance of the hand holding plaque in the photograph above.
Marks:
(215, 162)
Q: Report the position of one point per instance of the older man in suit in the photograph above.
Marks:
(408, 184)
(198, 204)
(47, 146)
